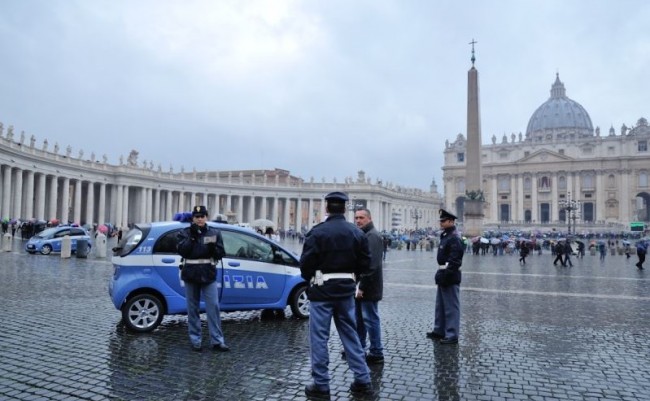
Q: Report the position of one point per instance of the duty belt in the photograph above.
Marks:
(445, 266)
(319, 278)
(198, 261)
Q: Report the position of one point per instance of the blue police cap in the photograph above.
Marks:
(445, 215)
(336, 197)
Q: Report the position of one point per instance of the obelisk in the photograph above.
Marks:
(474, 202)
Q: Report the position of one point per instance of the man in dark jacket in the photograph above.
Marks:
(201, 248)
(446, 326)
(370, 292)
(559, 253)
(334, 252)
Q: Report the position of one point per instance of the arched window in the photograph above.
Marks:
(545, 182)
(527, 183)
(561, 182)
(611, 181)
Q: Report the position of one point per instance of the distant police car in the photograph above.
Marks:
(49, 240)
(256, 273)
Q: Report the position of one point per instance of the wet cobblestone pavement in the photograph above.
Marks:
(533, 332)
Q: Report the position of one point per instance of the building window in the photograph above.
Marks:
(643, 146)
(561, 182)
(503, 155)
(526, 153)
(587, 151)
(545, 183)
(611, 150)
(504, 197)
(643, 179)
(504, 184)
(588, 181)
(588, 196)
(527, 183)
(460, 157)
(561, 151)
(611, 181)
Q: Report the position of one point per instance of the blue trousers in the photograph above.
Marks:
(320, 319)
(447, 319)
(369, 326)
(211, 298)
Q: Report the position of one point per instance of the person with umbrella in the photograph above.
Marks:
(581, 249)
(641, 250)
(523, 252)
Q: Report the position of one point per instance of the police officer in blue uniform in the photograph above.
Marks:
(334, 253)
(446, 325)
(201, 248)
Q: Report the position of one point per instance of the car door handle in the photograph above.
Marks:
(233, 264)
(169, 260)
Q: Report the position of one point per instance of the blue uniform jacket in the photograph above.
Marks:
(208, 244)
(334, 246)
(450, 252)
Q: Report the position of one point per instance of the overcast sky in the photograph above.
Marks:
(320, 88)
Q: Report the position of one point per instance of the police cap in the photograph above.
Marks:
(339, 197)
(199, 211)
(445, 215)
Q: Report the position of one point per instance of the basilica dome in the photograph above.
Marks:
(559, 117)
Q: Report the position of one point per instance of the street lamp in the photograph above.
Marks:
(353, 206)
(416, 215)
(572, 209)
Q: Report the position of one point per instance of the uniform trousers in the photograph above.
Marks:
(447, 318)
(320, 319)
(211, 298)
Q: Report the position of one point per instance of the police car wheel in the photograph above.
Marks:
(142, 313)
(300, 303)
(46, 249)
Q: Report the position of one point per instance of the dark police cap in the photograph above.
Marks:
(336, 197)
(199, 211)
(445, 215)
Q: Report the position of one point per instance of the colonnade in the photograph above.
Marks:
(37, 184)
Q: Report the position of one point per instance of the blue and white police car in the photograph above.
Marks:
(256, 273)
(50, 239)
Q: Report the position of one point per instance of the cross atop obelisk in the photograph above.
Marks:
(473, 42)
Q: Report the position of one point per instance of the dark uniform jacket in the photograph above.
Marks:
(197, 243)
(334, 246)
(450, 252)
(372, 283)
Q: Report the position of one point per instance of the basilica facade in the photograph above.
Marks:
(561, 172)
(48, 183)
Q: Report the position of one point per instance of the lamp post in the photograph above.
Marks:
(572, 209)
(416, 215)
(353, 206)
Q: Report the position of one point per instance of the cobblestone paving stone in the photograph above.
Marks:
(536, 332)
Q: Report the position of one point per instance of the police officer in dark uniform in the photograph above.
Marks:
(201, 248)
(334, 253)
(446, 326)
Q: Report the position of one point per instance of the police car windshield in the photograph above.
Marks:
(130, 241)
